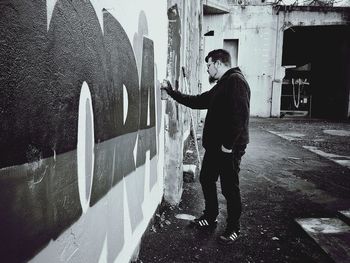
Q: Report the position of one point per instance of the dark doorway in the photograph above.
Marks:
(326, 51)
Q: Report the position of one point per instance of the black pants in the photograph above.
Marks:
(215, 163)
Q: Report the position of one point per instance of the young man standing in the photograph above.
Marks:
(225, 137)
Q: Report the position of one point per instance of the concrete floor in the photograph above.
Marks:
(281, 181)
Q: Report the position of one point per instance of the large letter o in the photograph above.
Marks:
(85, 146)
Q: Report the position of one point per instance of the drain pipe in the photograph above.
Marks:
(275, 61)
(276, 83)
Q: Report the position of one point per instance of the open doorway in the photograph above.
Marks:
(231, 45)
(317, 80)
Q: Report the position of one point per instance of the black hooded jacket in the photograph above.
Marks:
(227, 118)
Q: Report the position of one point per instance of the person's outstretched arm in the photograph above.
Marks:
(200, 101)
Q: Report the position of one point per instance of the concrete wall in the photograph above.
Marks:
(82, 137)
(254, 29)
(183, 71)
(259, 30)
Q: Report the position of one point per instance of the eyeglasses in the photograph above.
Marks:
(209, 64)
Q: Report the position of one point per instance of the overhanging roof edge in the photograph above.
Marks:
(212, 9)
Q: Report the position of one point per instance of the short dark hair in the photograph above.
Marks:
(219, 54)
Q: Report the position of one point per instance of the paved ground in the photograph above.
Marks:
(330, 139)
(280, 182)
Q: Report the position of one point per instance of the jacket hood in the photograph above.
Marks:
(230, 72)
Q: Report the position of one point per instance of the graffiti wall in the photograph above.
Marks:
(80, 122)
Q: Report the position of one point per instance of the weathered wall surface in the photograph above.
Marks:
(81, 146)
(183, 70)
(253, 27)
(259, 31)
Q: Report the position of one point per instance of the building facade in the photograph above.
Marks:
(295, 57)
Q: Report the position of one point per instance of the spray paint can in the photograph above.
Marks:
(163, 93)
